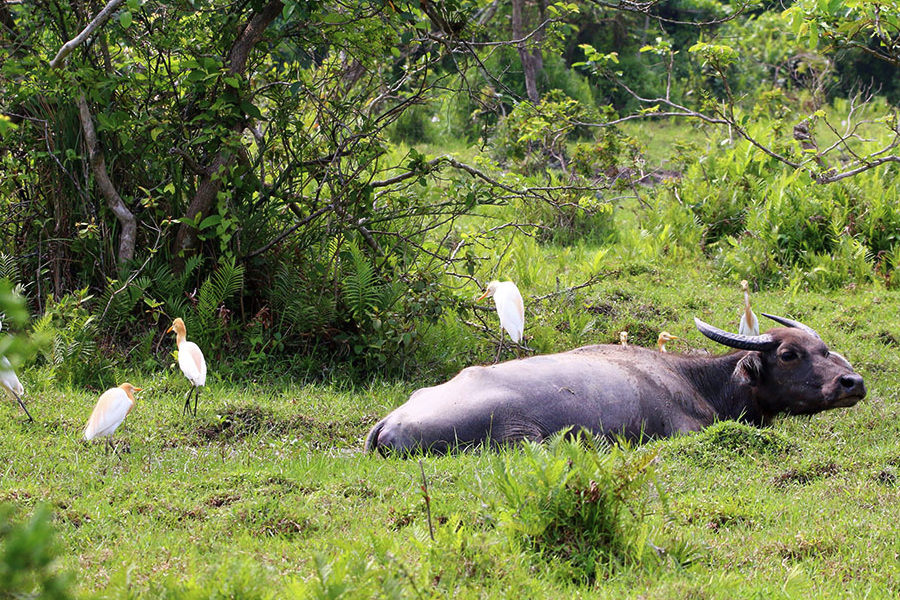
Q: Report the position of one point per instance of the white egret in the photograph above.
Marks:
(111, 409)
(623, 338)
(510, 308)
(191, 362)
(749, 323)
(11, 384)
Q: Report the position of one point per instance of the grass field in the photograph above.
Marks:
(267, 493)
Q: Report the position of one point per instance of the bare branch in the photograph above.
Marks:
(98, 21)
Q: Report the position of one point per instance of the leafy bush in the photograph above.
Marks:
(67, 335)
(578, 504)
(27, 556)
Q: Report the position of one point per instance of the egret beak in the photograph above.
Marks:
(170, 329)
(138, 389)
(482, 297)
(674, 337)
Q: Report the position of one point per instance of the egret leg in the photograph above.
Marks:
(196, 398)
(187, 402)
(22, 404)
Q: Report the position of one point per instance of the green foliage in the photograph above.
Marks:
(209, 318)
(28, 556)
(170, 292)
(533, 136)
(67, 335)
(728, 440)
(578, 504)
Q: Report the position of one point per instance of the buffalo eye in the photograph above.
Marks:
(788, 355)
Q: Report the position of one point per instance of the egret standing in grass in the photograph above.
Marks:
(623, 338)
(191, 362)
(510, 309)
(11, 384)
(749, 323)
(111, 409)
(664, 337)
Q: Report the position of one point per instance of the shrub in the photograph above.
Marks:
(578, 504)
(27, 555)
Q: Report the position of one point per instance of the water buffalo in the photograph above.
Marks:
(628, 391)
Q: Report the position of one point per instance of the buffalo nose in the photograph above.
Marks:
(853, 385)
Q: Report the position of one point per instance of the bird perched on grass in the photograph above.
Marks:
(510, 308)
(191, 362)
(664, 337)
(623, 338)
(749, 323)
(11, 384)
(111, 409)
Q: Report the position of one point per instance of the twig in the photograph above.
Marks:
(427, 500)
(594, 279)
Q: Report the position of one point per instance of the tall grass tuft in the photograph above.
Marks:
(579, 505)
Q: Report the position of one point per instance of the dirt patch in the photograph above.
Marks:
(219, 500)
(286, 527)
(889, 339)
(805, 475)
(246, 421)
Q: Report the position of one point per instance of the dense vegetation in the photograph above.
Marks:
(321, 188)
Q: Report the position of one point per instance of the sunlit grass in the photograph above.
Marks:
(271, 478)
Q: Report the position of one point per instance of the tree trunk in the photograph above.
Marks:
(211, 179)
(98, 166)
(530, 62)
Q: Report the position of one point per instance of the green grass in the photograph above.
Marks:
(266, 493)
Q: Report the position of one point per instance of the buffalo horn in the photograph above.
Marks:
(736, 340)
(790, 323)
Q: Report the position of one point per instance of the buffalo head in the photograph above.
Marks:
(790, 369)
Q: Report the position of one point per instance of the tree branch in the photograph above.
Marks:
(98, 21)
(98, 165)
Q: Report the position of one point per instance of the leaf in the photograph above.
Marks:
(125, 19)
(250, 109)
(210, 221)
(232, 81)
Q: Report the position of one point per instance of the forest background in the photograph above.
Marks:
(320, 189)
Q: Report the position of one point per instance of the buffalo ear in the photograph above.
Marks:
(749, 369)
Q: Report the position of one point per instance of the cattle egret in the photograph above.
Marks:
(664, 337)
(749, 322)
(191, 362)
(510, 308)
(623, 338)
(111, 409)
(12, 385)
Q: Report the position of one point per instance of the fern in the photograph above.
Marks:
(116, 304)
(170, 286)
(361, 291)
(8, 268)
(305, 312)
(221, 285)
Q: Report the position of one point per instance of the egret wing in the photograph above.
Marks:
(192, 363)
(111, 409)
(511, 310)
(8, 378)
